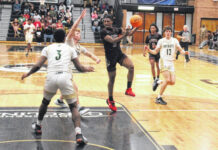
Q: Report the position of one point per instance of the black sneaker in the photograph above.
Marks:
(81, 140)
(160, 101)
(37, 128)
(155, 84)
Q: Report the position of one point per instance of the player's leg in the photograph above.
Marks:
(167, 79)
(110, 100)
(152, 62)
(186, 49)
(127, 62)
(36, 126)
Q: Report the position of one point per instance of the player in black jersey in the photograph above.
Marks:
(152, 40)
(111, 37)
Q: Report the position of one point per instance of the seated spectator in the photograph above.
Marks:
(68, 24)
(214, 41)
(52, 13)
(17, 8)
(48, 34)
(36, 16)
(15, 25)
(85, 2)
(26, 9)
(61, 14)
(59, 25)
(26, 15)
(95, 26)
(208, 41)
(21, 19)
(39, 35)
(42, 10)
(68, 13)
(94, 15)
(62, 6)
(37, 23)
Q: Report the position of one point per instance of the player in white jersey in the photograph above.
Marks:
(29, 30)
(167, 47)
(72, 40)
(59, 56)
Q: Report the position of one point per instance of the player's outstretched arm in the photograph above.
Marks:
(93, 57)
(154, 52)
(132, 31)
(80, 67)
(76, 23)
(36, 67)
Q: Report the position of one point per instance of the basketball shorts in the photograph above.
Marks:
(165, 65)
(29, 38)
(63, 82)
(155, 57)
(112, 60)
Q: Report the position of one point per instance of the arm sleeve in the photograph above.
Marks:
(73, 54)
(103, 34)
(83, 50)
(159, 43)
(45, 52)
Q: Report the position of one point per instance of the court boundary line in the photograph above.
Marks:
(174, 110)
(194, 85)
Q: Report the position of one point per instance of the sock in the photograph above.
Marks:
(39, 122)
(111, 98)
(78, 130)
(129, 84)
(60, 100)
(154, 78)
(78, 106)
(159, 96)
(159, 81)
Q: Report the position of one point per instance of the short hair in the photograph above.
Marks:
(77, 30)
(168, 28)
(157, 30)
(108, 16)
(59, 35)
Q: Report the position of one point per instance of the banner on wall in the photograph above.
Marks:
(159, 2)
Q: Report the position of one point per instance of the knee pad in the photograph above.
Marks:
(45, 101)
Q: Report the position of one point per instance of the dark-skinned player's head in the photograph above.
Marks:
(59, 36)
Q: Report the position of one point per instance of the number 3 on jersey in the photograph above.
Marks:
(168, 51)
(59, 55)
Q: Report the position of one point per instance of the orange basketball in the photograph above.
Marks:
(136, 21)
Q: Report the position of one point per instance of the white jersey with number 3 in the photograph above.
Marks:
(168, 48)
(59, 57)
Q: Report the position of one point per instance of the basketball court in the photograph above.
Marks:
(187, 122)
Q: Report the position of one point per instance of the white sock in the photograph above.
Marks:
(39, 122)
(78, 130)
(159, 81)
(159, 96)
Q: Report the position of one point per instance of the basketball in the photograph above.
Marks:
(136, 21)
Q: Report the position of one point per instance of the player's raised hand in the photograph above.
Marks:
(83, 14)
(98, 61)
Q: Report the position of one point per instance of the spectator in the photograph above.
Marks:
(59, 25)
(48, 34)
(36, 16)
(62, 6)
(39, 35)
(68, 13)
(85, 2)
(61, 14)
(37, 23)
(214, 41)
(52, 13)
(208, 41)
(42, 10)
(94, 15)
(26, 15)
(95, 26)
(26, 9)
(203, 32)
(129, 37)
(17, 8)
(15, 25)
(21, 19)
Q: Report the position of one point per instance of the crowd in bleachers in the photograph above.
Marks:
(45, 17)
(98, 10)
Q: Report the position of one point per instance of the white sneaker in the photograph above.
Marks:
(83, 110)
(60, 103)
